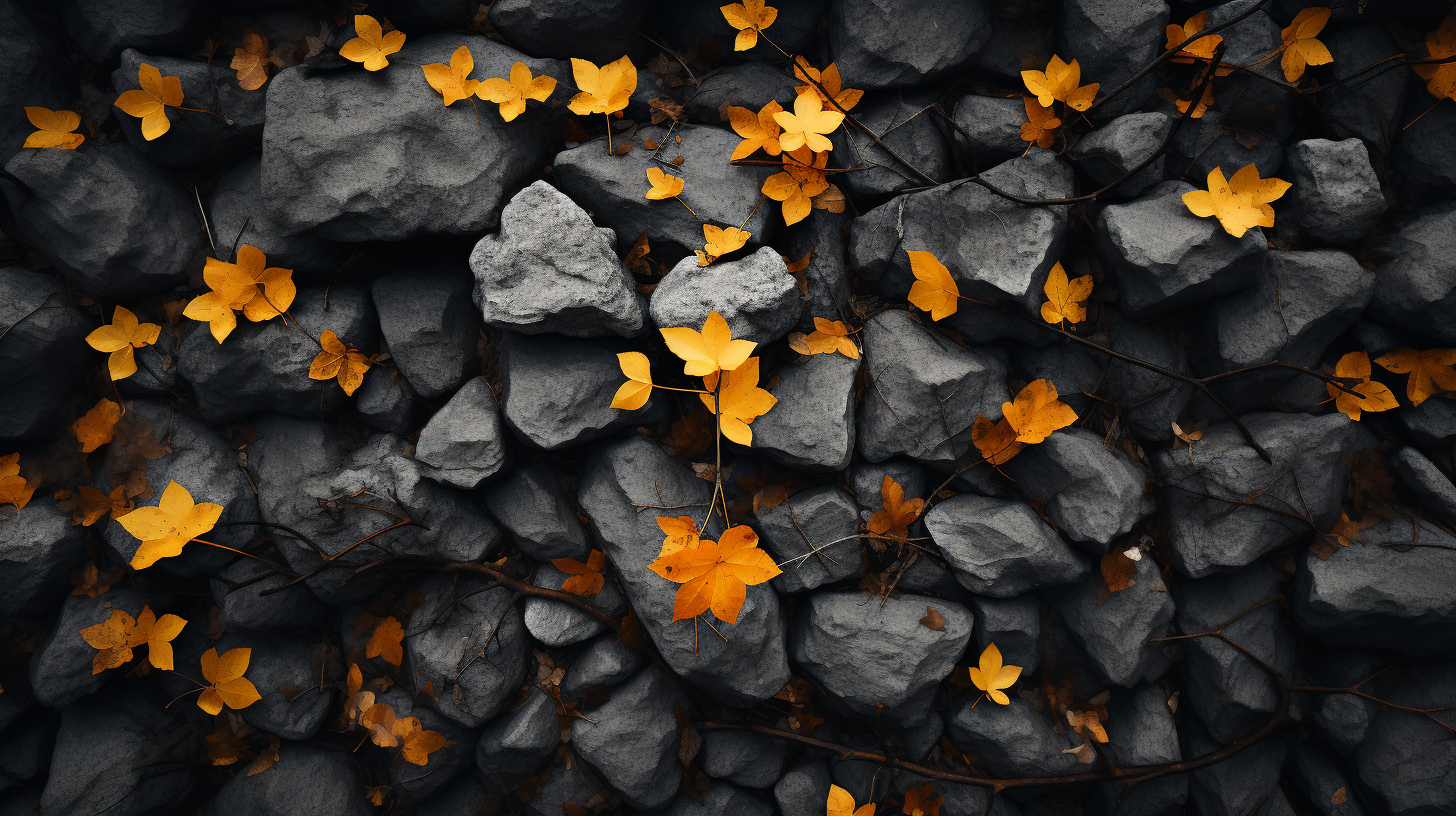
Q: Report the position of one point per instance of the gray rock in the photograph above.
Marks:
(632, 739)
(239, 213)
(1117, 632)
(877, 44)
(305, 781)
(721, 799)
(530, 505)
(412, 782)
(462, 444)
(1162, 257)
(473, 671)
(1112, 150)
(60, 666)
(1012, 740)
(755, 294)
(1431, 487)
(264, 366)
(277, 661)
(1149, 401)
(550, 269)
(39, 546)
(1318, 776)
(102, 29)
(1001, 548)
(742, 757)
(604, 662)
(558, 391)
(384, 403)
(877, 660)
(1335, 195)
(1092, 494)
(1341, 720)
(868, 481)
(33, 72)
(1367, 109)
(194, 140)
(822, 237)
(1433, 422)
(429, 325)
(1207, 143)
(1111, 42)
(25, 755)
(1377, 594)
(925, 392)
(238, 591)
(1141, 731)
(567, 781)
(1072, 369)
(108, 219)
(1416, 282)
(1307, 473)
(994, 124)
(620, 492)
(1245, 784)
(803, 789)
(44, 357)
(750, 85)
(464, 797)
(332, 132)
(811, 427)
(1423, 157)
(863, 780)
(148, 753)
(600, 30)
(611, 188)
(556, 623)
(902, 119)
(1402, 764)
(1013, 624)
(520, 741)
(813, 537)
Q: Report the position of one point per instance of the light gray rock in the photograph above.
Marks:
(1415, 287)
(1335, 195)
(556, 623)
(473, 671)
(1092, 494)
(755, 294)
(994, 124)
(558, 391)
(813, 537)
(632, 739)
(429, 325)
(1001, 548)
(238, 212)
(811, 427)
(462, 444)
(603, 663)
(1117, 632)
(882, 43)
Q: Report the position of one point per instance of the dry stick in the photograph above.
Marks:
(205, 226)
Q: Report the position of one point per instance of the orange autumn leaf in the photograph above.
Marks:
(1300, 46)
(1064, 297)
(417, 743)
(227, 687)
(833, 95)
(1040, 127)
(1036, 412)
(336, 360)
(372, 46)
(149, 103)
(681, 533)
(453, 81)
(749, 17)
(760, 131)
(1440, 77)
(664, 185)
(992, 676)
(54, 128)
(251, 61)
(634, 392)
(710, 350)
(97, 426)
(897, 513)
(740, 401)
(111, 639)
(1204, 102)
(1119, 571)
(379, 721)
(604, 89)
(386, 641)
(511, 94)
(922, 801)
(1367, 396)
(1431, 371)
(124, 334)
(995, 440)
(841, 803)
(586, 579)
(716, 575)
(828, 337)
(808, 124)
(720, 241)
(260, 291)
(934, 290)
(14, 489)
(796, 185)
(167, 527)
(1240, 203)
(1060, 82)
(89, 505)
(1177, 35)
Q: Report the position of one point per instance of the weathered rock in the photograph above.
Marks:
(32, 72)
(1433, 422)
(474, 671)
(812, 536)
(278, 662)
(811, 427)
(903, 121)
(865, 781)
(868, 481)
(620, 491)
(822, 238)
(429, 325)
(384, 403)
(1307, 472)
(264, 366)
(925, 392)
(994, 124)
(1163, 257)
(1416, 282)
(308, 782)
(558, 390)
(108, 219)
(1335, 195)
(1114, 149)
(721, 799)
(878, 44)
(550, 269)
(238, 590)
(530, 505)
(103, 29)
(1321, 780)
(520, 741)
(1423, 157)
(1071, 368)
(1431, 487)
(1141, 731)
(462, 444)
(1001, 548)
(803, 789)
(632, 739)
(1111, 42)
(750, 85)
(874, 659)
(1012, 740)
(1341, 720)
(610, 187)
(1149, 401)
(38, 549)
(600, 30)
(1116, 632)
(1203, 145)
(1372, 595)
(1092, 494)
(1013, 624)
(1403, 763)
(600, 664)
(556, 623)
(60, 666)
(755, 294)
(239, 212)
(742, 757)
(194, 140)
(1245, 784)
(330, 134)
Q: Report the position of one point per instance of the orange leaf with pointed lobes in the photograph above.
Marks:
(167, 527)
(749, 17)
(97, 426)
(1440, 77)
(251, 61)
(385, 641)
(14, 489)
(1240, 203)
(55, 128)
(511, 94)
(760, 131)
(260, 291)
(681, 534)
(664, 185)
(934, 290)
(337, 360)
(1431, 371)
(828, 337)
(922, 801)
(710, 350)
(604, 89)
(453, 81)
(1036, 412)
(1040, 127)
(716, 575)
(227, 688)
(796, 185)
(897, 513)
(841, 803)
(111, 639)
(1300, 46)
(992, 676)
(417, 743)
(834, 96)
(372, 46)
(1064, 297)
(1060, 82)
(740, 401)
(124, 334)
(586, 579)
(150, 102)
(720, 241)
(1177, 35)
(995, 440)
(1368, 396)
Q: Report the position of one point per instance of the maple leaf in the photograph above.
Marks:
(760, 131)
(149, 103)
(453, 82)
(740, 401)
(1202, 49)
(512, 94)
(96, 427)
(833, 95)
(921, 801)
(385, 642)
(717, 574)
(991, 676)
(14, 489)
(808, 124)
(710, 350)
(1240, 203)
(664, 185)
(1036, 412)
(841, 803)
(112, 640)
(796, 185)
(1368, 396)
(749, 17)
(416, 743)
(995, 440)
(719, 241)
(251, 61)
(119, 338)
(934, 290)
(1300, 46)
(1430, 371)
(336, 360)
(1064, 297)
(828, 337)
(1440, 78)
(634, 392)
(1041, 123)
(586, 579)
(166, 528)
(372, 46)
(227, 685)
(897, 513)
(260, 291)
(1060, 82)
(681, 534)
(605, 89)
(54, 128)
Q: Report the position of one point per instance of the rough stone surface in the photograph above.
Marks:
(1110, 152)
(1116, 631)
(521, 740)
(633, 740)
(429, 325)
(448, 655)
(994, 124)
(529, 503)
(1012, 740)
(1415, 286)
(309, 782)
(462, 444)
(743, 758)
(600, 30)
(811, 427)
(238, 211)
(1335, 195)
(43, 356)
(755, 294)
(194, 139)
(1092, 494)
(1001, 548)
(38, 547)
(901, 120)
(883, 43)
(555, 623)
(812, 536)
(558, 391)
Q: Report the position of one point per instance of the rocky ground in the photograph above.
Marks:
(1228, 594)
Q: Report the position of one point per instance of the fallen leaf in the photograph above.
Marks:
(634, 392)
(760, 131)
(1118, 571)
(336, 360)
(372, 46)
(717, 574)
(120, 337)
(661, 109)
(841, 803)
(266, 758)
(1064, 297)
(1178, 35)
(149, 103)
(1240, 203)
(681, 533)
(1440, 78)
(227, 688)
(97, 426)
(605, 89)
(1060, 82)
(14, 489)
(1040, 127)
(832, 94)
(251, 61)
(1368, 396)
(54, 128)
(225, 747)
(664, 185)
(1204, 102)
(796, 185)
(808, 124)
(260, 291)
(719, 241)
(922, 801)
(933, 619)
(1036, 412)
(710, 350)
(512, 94)
(995, 440)
(749, 17)
(453, 82)
(991, 676)
(830, 336)
(93, 582)
(740, 401)
(1338, 798)
(934, 290)
(1431, 371)
(417, 743)
(1300, 46)
(894, 519)
(586, 579)
(385, 642)
(165, 528)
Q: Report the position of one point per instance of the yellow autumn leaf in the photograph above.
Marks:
(934, 290)
(120, 337)
(664, 185)
(634, 392)
(167, 527)
(808, 124)
(709, 350)
(760, 131)
(992, 676)
(1300, 46)
(227, 688)
(511, 94)
(1064, 297)
(54, 128)
(720, 241)
(749, 17)
(372, 46)
(453, 81)
(604, 89)
(336, 360)
(1431, 371)
(1239, 203)
(739, 402)
(150, 102)
(1368, 396)
(1060, 82)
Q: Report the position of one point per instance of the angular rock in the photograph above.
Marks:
(194, 140)
(1162, 257)
(103, 29)
(879, 44)
(558, 391)
(600, 31)
(1001, 548)
(1092, 494)
(521, 740)
(812, 537)
(462, 444)
(43, 360)
(822, 238)
(1245, 784)
(38, 549)
(600, 664)
(1433, 489)
(238, 591)
(877, 660)
(1012, 740)
(868, 481)
(556, 623)
(755, 294)
(1117, 631)
(384, 403)
(1416, 282)
(901, 119)
(1433, 422)
(1403, 763)
(1307, 471)
(1321, 780)
(1070, 367)
(277, 662)
(750, 85)
(1114, 149)
(429, 325)
(925, 391)
(742, 757)
(1335, 195)
(238, 211)
(632, 739)
(474, 676)
(721, 799)
(803, 789)
(109, 220)
(994, 124)
(1151, 401)
(366, 156)
(1141, 731)
(1424, 158)
(1013, 624)
(413, 782)
(550, 269)
(308, 782)
(1111, 42)
(60, 666)
(811, 427)
(530, 505)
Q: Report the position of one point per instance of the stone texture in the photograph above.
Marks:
(43, 357)
(600, 30)
(1114, 149)
(811, 427)
(529, 503)
(1092, 494)
(1415, 283)
(902, 120)
(1012, 740)
(474, 671)
(194, 140)
(239, 212)
(462, 444)
(755, 294)
(812, 536)
(632, 739)
(881, 43)
(1001, 548)
(1335, 195)
(429, 325)
(309, 782)
(557, 391)
(1116, 632)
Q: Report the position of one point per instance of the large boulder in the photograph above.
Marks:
(632, 739)
(1335, 195)
(1001, 548)
(811, 427)
(1415, 283)
(755, 294)
(305, 781)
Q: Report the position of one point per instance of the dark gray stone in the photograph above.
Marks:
(1335, 195)
(43, 358)
(994, 124)
(1424, 158)
(813, 537)
(1112, 40)
(238, 198)
(750, 85)
(742, 757)
(1114, 149)
(39, 546)
(462, 444)
(384, 402)
(604, 662)
(1012, 740)
(1367, 109)
(1149, 401)
(1433, 422)
(823, 238)
(1416, 280)
(902, 119)
(429, 325)
(1117, 632)
(194, 140)
(520, 741)
(882, 43)
(1001, 548)
(305, 781)
(60, 666)
(755, 294)
(1321, 780)
(811, 427)
(1209, 142)
(868, 481)
(1070, 367)
(473, 677)
(101, 29)
(464, 797)
(599, 30)
(279, 660)
(1092, 494)
(1141, 731)
(803, 789)
(1013, 624)
(1403, 765)
(558, 390)
(556, 623)
(412, 782)
(721, 799)
(530, 505)
(1245, 784)
(238, 591)
(32, 72)
(1431, 487)
(1341, 720)
(632, 739)
(25, 753)
(568, 781)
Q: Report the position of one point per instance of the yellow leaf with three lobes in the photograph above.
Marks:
(158, 634)
(720, 241)
(710, 350)
(934, 290)
(260, 291)
(54, 128)
(228, 687)
(759, 130)
(1368, 396)
(716, 575)
(664, 185)
(415, 742)
(1431, 371)
(512, 94)
(1064, 297)
(741, 400)
(995, 440)
(453, 81)
(841, 803)
(165, 528)
(749, 17)
(124, 334)
(1060, 83)
(150, 102)
(1239, 203)
(337, 360)
(372, 46)
(828, 337)
(1036, 412)
(1300, 46)
(991, 676)
(605, 89)
(808, 124)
